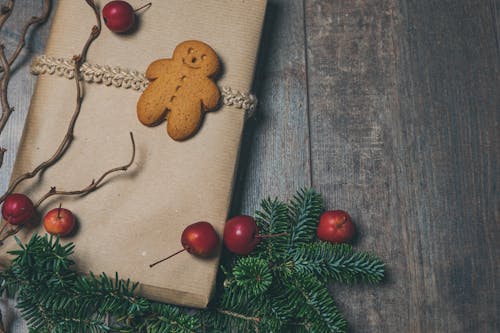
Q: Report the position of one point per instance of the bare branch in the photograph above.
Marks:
(94, 185)
(34, 20)
(2, 155)
(4, 85)
(5, 11)
(10, 232)
(68, 138)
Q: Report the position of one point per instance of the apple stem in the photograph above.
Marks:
(272, 235)
(149, 4)
(170, 256)
(59, 211)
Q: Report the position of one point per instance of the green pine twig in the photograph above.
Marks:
(305, 209)
(337, 262)
(280, 287)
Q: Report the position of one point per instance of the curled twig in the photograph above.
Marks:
(34, 20)
(10, 232)
(94, 184)
(5, 12)
(2, 153)
(68, 138)
(4, 85)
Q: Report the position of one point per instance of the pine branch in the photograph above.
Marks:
(238, 310)
(283, 292)
(305, 209)
(337, 262)
(252, 275)
(271, 219)
(51, 295)
(221, 320)
(168, 318)
(313, 305)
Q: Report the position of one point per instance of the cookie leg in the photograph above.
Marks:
(184, 120)
(152, 105)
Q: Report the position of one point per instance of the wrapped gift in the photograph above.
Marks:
(137, 217)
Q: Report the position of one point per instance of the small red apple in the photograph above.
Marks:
(119, 16)
(199, 239)
(17, 209)
(335, 226)
(59, 221)
(241, 234)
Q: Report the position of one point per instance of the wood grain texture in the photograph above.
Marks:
(22, 82)
(407, 140)
(275, 150)
(20, 91)
(390, 108)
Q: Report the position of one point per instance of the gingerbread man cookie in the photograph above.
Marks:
(181, 89)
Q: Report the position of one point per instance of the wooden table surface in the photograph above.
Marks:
(389, 108)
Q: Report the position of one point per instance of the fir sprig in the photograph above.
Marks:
(272, 218)
(280, 287)
(337, 262)
(297, 300)
(53, 298)
(305, 209)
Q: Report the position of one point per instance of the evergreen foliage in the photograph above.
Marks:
(280, 287)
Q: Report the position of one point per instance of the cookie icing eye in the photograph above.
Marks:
(190, 50)
(203, 56)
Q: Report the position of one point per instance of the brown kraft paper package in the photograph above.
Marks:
(137, 217)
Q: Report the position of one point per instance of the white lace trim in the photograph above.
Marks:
(126, 78)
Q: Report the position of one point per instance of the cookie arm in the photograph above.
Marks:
(210, 95)
(157, 68)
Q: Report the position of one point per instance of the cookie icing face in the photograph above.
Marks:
(197, 55)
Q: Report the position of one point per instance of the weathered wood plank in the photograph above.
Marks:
(351, 54)
(404, 134)
(22, 82)
(275, 151)
(20, 91)
(451, 100)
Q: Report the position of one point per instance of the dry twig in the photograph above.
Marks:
(68, 138)
(34, 20)
(94, 185)
(4, 85)
(2, 153)
(5, 12)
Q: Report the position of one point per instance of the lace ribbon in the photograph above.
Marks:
(127, 79)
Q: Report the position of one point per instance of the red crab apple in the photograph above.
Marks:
(199, 239)
(335, 226)
(59, 221)
(17, 209)
(241, 235)
(119, 16)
